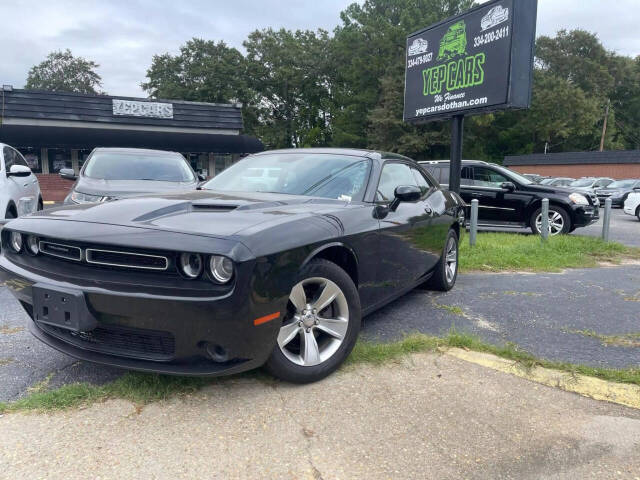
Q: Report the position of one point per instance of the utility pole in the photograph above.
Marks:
(604, 125)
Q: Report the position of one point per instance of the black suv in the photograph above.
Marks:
(508, 199)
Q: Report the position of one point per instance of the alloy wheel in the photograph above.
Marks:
(316, 324)
(556, 222)
(451, 259)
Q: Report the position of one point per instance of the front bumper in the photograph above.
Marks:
(585, 215)
(206, 336)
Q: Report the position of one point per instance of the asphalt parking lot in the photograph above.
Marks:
(546, 314)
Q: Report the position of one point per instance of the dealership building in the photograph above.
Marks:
(56, 130)
(617, 164)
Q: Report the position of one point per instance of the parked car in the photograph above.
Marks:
(112, 173)
(590, 184)
(558, 181)
(19, 187)
(222, 280)
(632, 204)
(508, 199)
(618, 191)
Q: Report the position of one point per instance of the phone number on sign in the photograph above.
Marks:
(491, 36)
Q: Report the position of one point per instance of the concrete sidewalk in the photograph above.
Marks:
(433, 416)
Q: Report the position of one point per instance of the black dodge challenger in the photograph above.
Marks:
(274, 262)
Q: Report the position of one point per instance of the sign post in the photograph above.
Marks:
(480, 61)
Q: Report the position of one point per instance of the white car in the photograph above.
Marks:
(632, 204)
(419, 45)
(494, 17)
(19, 187)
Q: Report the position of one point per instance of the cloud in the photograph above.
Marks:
(122, 36)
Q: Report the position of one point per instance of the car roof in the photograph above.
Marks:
(143, 151)
(357, 152)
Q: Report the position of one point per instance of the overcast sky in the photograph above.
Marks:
(122, 36)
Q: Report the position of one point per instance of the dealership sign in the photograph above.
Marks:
(476, 62)
(132, 108)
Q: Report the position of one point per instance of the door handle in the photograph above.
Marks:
(428, 210)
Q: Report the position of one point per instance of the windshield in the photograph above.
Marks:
(139, 166)
(515, 176)
(622, 184)
(321, 175)
(583, 182)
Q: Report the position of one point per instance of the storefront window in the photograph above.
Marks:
(59, 159)
(82, 157)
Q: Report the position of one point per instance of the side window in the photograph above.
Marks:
(487, 177)
(19, 159)
(393, 175)
(466, 177)
(9, 158)
(421, 181)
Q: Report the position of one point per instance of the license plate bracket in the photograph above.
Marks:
(62, 307)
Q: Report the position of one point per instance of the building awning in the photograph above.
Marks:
(23, 136)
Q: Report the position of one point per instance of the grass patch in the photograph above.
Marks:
(142, 388)
(454, 309)
(623, 340)
(7, 330)
(496, 252)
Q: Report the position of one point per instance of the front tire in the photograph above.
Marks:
(638, 212)
(321, 325)
(446, 271)
(559, 221)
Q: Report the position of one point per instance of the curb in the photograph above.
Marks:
(620, 393)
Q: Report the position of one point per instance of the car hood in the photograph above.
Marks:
(127, 188)
(198, 212)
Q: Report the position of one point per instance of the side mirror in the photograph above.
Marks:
(201, 177)
(510, 186)
(68, 173)
(19, 171)
(405, 193)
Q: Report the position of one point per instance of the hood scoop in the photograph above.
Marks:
(214, 208)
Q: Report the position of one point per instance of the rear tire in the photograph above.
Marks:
(320, 327)
(11, 213)
(40, 205)
(559, 221)
(446, 271)
(638, 212)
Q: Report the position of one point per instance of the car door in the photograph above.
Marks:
(31, 188)
(22, 190)
(403, 260)
(495, 204)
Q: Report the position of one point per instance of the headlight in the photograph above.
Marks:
(79, 197)
(16, 241)
(220, 268)
(578, 199)
(191, 265)
(32, 245)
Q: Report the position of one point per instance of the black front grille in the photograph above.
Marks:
(114, 258)
(117, 340)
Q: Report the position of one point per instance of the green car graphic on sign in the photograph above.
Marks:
(454, 42)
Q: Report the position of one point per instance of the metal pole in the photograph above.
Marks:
(455, 166)
(473, 226)
(606, 220)
(544, 227)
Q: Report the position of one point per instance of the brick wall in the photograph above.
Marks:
(613, 170)
(53, 187)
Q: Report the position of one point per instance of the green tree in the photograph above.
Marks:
(203, 71)
(288, 74)
(62, 72)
